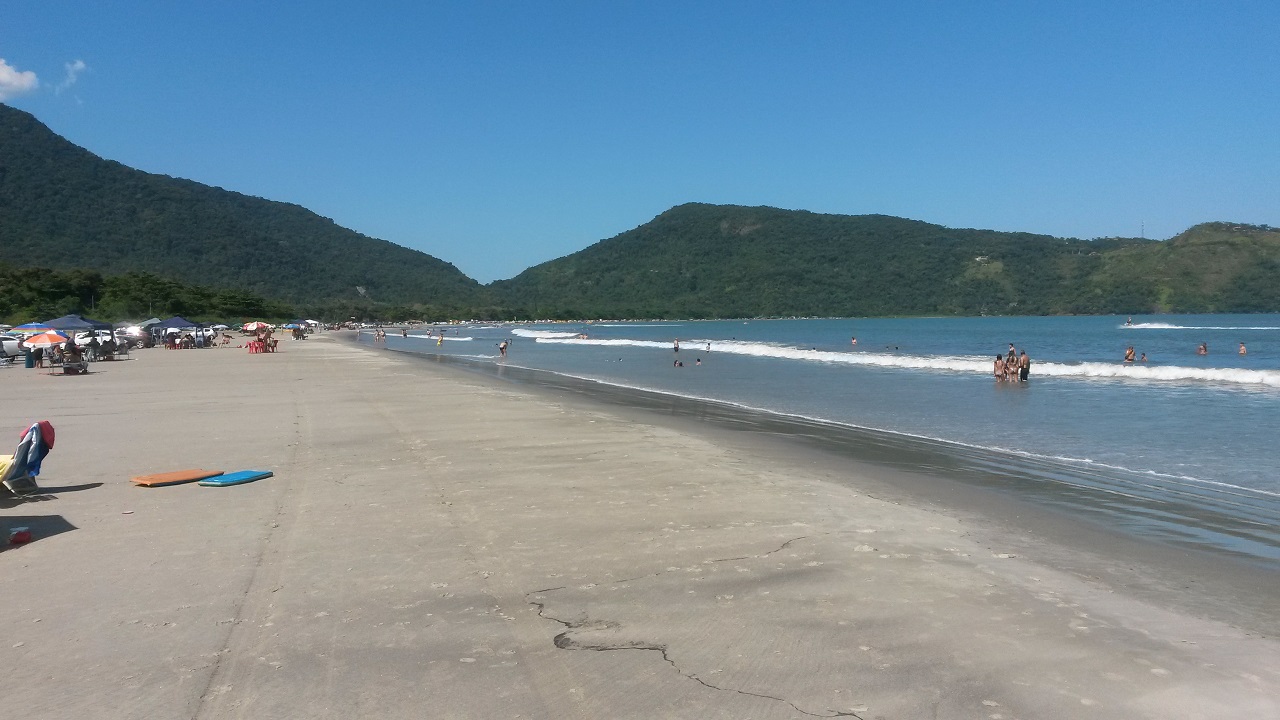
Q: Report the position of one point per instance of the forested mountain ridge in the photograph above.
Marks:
(700, 260)
(63, 207)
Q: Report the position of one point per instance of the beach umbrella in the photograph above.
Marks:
(52, 337)
(256, 325)
(32, 328)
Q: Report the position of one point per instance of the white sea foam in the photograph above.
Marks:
(543, 334)
(630, 325)
(1166, 373)
(448, 338)
(944, 363)
(1169, 326)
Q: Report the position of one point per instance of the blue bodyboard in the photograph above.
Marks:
(236, 478)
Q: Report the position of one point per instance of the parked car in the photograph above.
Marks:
(83, 338)
(135, 336)
(9, 346)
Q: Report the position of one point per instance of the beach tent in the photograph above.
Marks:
(177, 322)
(77, 322)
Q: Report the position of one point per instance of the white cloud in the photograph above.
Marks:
(73, 71)
(14, 82)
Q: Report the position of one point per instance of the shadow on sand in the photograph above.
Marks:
(40, 526)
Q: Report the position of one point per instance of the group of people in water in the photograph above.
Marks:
(1013, 367)
(1201, 349)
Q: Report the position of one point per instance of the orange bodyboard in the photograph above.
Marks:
(177, 477)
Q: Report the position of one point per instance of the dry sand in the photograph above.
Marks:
(437, 544)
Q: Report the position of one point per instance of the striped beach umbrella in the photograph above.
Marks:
(52, 337)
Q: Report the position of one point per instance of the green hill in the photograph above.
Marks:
(700, 260)
(63, 207)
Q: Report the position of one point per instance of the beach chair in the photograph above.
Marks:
(19, 473)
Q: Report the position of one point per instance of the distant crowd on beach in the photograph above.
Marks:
(1013, 367)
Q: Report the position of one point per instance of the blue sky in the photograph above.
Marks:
(497, 135)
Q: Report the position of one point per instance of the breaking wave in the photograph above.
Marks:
(958, 364)
(1170, 326)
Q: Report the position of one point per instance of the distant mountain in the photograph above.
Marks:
(63, 207)
(701, 260)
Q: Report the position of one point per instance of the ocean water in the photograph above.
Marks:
(1182, 447)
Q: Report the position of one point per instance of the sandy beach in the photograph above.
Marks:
(440, 544)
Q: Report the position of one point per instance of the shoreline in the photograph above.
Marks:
(435, 539)
(1209, 579)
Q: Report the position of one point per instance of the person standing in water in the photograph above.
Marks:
(1128, 354)
(676, 345)
(1242, 350)
(502, 348)
(1024, 366)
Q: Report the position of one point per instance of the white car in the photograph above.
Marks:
(9, 346)
(83, 338)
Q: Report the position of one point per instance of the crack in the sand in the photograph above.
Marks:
(778, 549)
(565, 642)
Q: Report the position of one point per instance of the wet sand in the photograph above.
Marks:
(439, 544)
